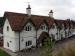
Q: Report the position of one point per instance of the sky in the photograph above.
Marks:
(63, 9)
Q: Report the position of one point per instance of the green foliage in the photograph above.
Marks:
(3, 53)
(48, 44)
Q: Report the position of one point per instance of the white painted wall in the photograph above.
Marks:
(67, 30)
(39, 32)
(10, 37)
(70, 32)
(53, 31)
(28, 35)
(62, 34)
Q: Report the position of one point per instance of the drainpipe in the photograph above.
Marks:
(19, 40)
(57, 34)
(36, 38)
(65, 33)
(48, 30)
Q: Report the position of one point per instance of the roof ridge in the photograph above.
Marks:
(24, 14)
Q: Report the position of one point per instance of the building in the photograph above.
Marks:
(22, 31)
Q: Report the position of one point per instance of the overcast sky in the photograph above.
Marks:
(63, 9)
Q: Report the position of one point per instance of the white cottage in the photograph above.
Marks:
(21, 31)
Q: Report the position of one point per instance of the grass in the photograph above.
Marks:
(3, 53)
(67, 50)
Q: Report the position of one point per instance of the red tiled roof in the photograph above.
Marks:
(59, 22)
(18, 20)
(50, 22)
(64, 22)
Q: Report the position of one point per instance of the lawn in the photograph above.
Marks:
(3, 53)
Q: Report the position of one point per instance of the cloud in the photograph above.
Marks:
(63, 9)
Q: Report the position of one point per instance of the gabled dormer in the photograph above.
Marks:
(29, 26)
(53, 26)
(44, 26)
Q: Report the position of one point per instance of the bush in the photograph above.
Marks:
(48, 44)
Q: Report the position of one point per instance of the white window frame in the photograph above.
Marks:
(28, 28)
(28, 43)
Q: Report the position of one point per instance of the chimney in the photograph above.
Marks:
(28, 10)
(51, 13)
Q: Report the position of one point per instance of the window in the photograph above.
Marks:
(28, 43)
(61, 36)
(7, 44)
(7, 28)
(46, 28)
(42, 27)
(56, 33)
(28, 28)
(53, 26)
(10, 41)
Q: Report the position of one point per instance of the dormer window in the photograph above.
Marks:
(42, 27)
(7, 28)
(28, 28)
(46, 28)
